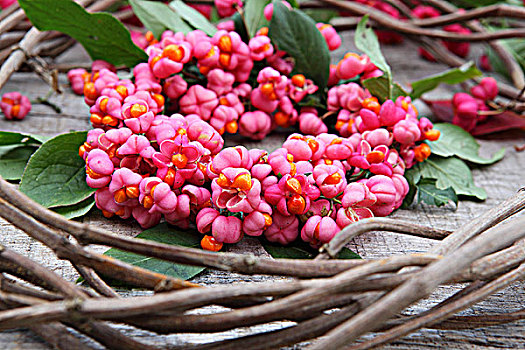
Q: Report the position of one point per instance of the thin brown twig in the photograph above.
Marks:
(410, 29)
(427, 279)
(95, 281)
(498, 10)
(442, 312)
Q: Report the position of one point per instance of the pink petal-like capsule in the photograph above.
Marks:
(406, 131)
(205, 219)
(99, 169)
(378, 137)
(175, 86)
(330, 179)
(486, 90)
(357, 194)
(227, 229)
(165, 200)
(350, 66)
(199, 100)
(15, 106)
(390, 114)
(385, 191)
(260, 47)
(220, 81)
(145, 218)
(255, 125)
(311, 124)
(284, 229)
(318, 230)
(257, 221)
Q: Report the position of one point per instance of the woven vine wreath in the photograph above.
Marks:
(364, 295)
(156, 153)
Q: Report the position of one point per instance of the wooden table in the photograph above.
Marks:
(500, 180)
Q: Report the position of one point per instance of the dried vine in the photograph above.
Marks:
(368, 294)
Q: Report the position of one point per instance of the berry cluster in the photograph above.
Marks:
(469, 108)
(156, 150)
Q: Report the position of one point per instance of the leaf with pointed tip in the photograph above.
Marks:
(158, 17)
(294, 32)
(254, 15)
(451, 172)
(430, 194)
(55, 175)
(193, 17)
(166, 234)
(454, 141)
(450, 76)
(101, 34)
(76, 210)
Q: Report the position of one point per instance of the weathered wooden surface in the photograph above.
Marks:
(500, 181)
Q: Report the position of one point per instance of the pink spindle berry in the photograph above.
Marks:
(226, 8)
(205, 219)
(311, 124)
(319, 230)
(406, 131)
(385, 191)
(330, 179)
(260, 47)
(486, 90)
(350, 66)
(284, 229)
(98, 169)
(227, 229)
(199, 100)
(255, 125)
(15, 106)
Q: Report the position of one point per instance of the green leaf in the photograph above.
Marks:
(55, 175)
(379, 87)
(296, 250)
(366, 40)
(430, 194)
(254, 15)
(17, 138)
(168, 235)
(451, 76)
(193, 17)
(454, 141)
(158, 17)
(346, 253)
(76, 210)
(294, 32)
(413, 176)
(13, 162)
(451, 172)
(240, 28)
(102, 35)
(300, 250)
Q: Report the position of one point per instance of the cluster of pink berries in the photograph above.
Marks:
(151, 166)
(469, 108)
(219, 68)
